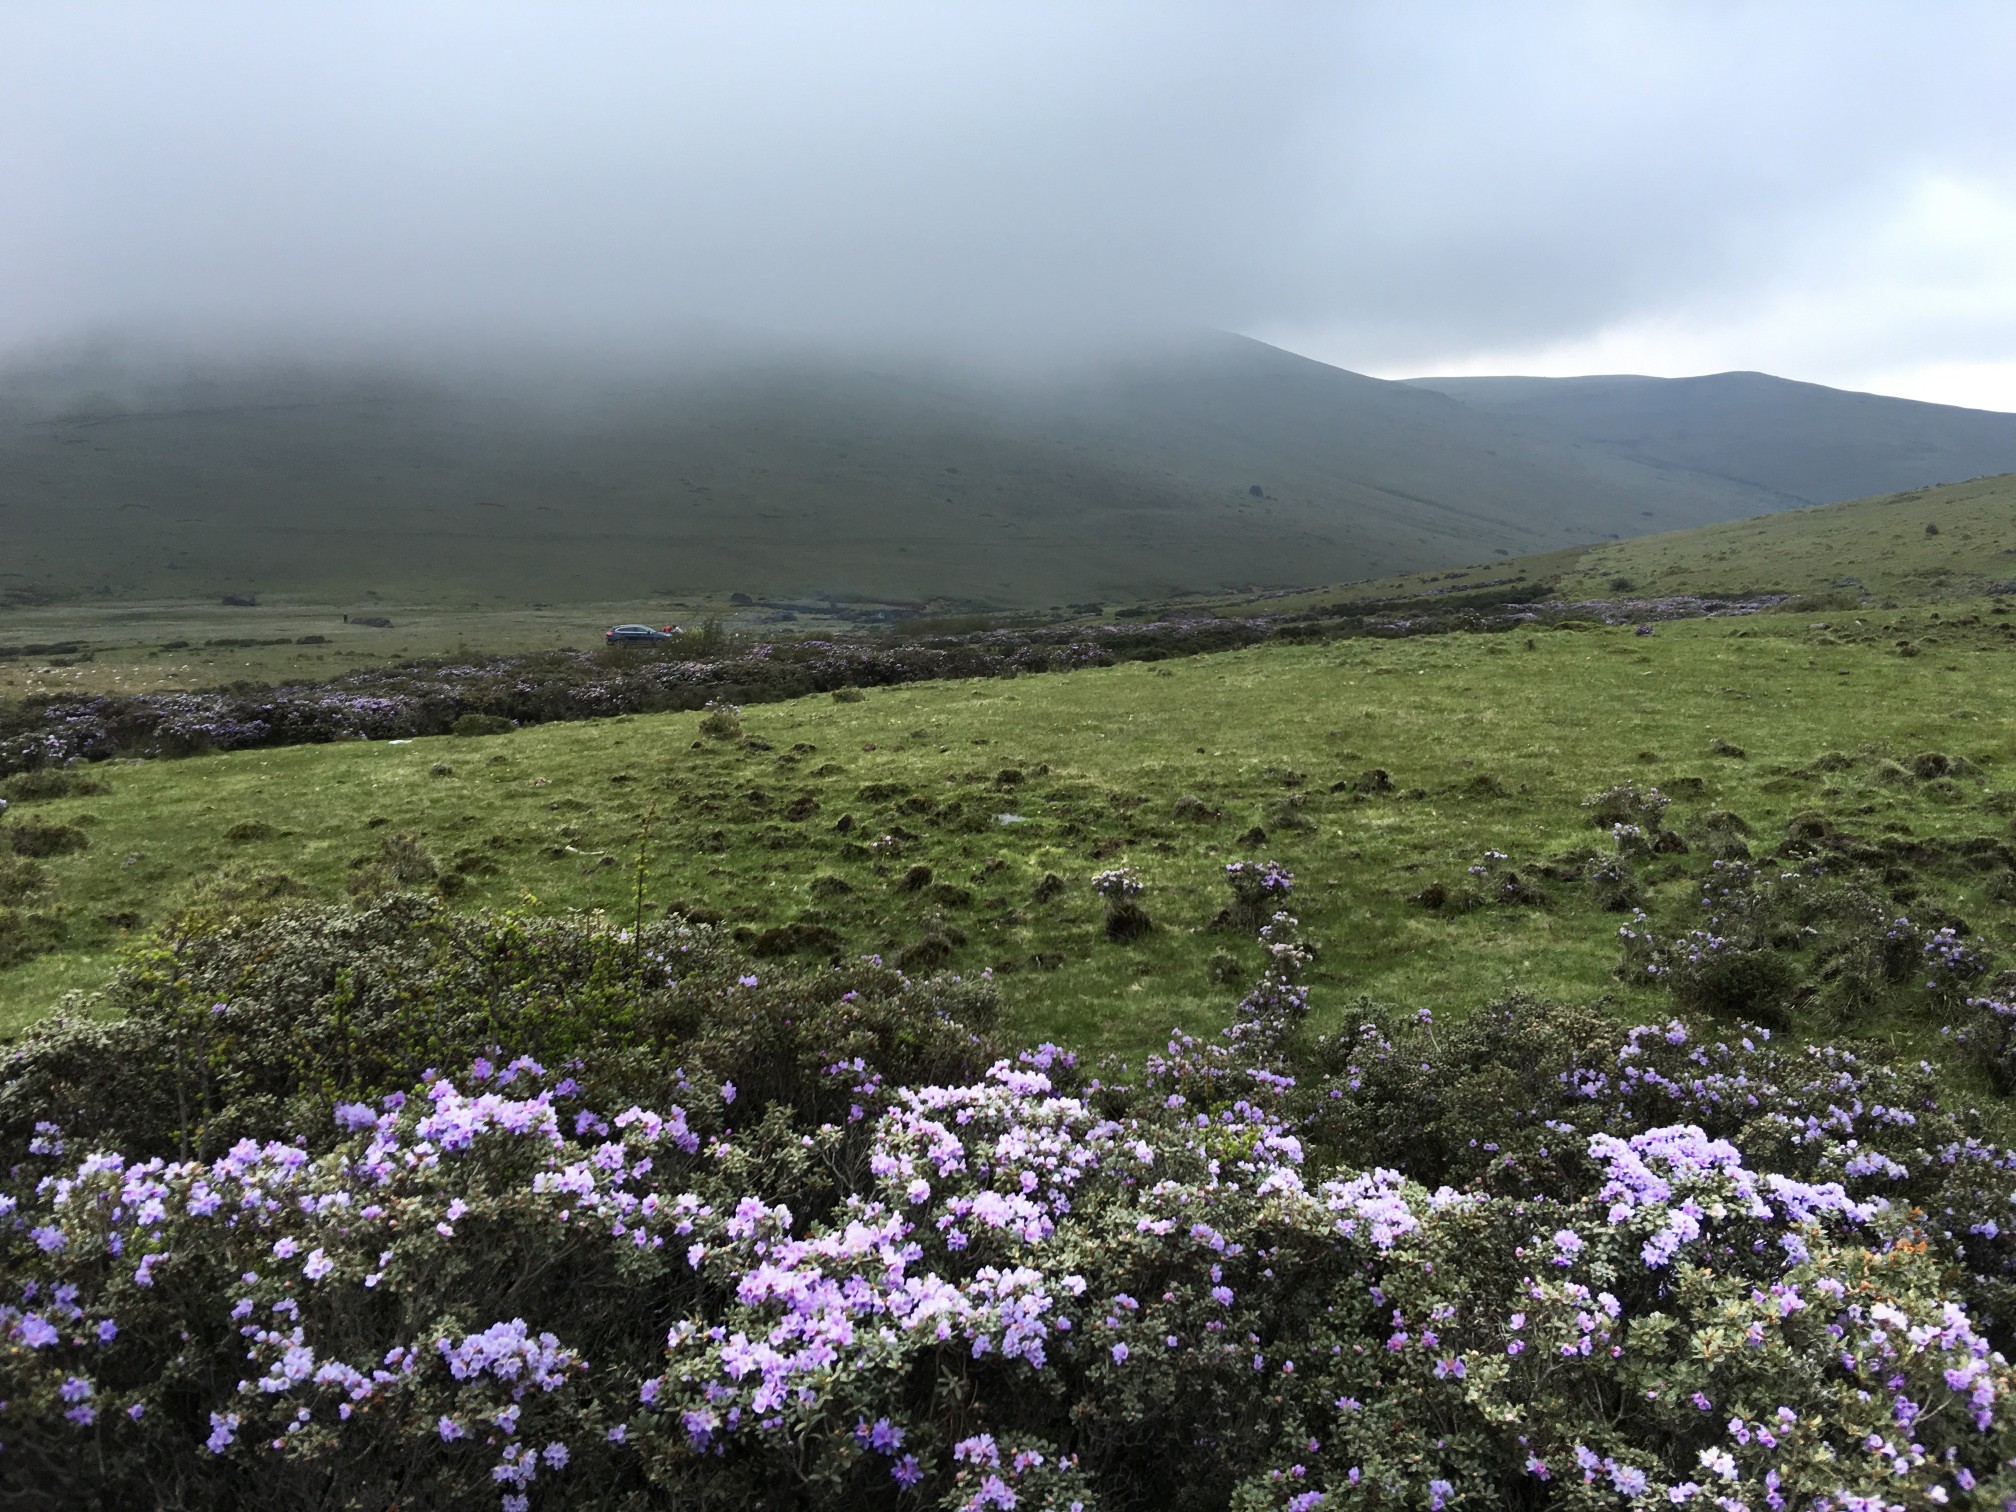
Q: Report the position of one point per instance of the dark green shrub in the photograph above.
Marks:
(1719, 834)
(1126, 919)
(1760, 940)
(400, 862)
(1628, 803)
(31, 837)
(799, 937)
(1737, 984)
(722, 724)
(26, 933)
(470, 725)
(52, 782)
(1613, 885)
(19, 876)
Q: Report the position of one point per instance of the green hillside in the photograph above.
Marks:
(1954, 542)
(1815, 444)
(520, 483)
(1928, 543)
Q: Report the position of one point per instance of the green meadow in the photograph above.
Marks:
(926, 822)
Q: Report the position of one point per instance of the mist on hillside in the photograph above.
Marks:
(1395, 190)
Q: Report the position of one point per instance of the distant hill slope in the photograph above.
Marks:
(1880, 546)
(1922, 545)
(1814, 444)
(785, 475)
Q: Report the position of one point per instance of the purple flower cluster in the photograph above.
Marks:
(1118, 885)
(933, 1293)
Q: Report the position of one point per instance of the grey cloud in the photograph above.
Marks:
(1410, 178)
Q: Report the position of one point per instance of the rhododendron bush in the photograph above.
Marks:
(728, 1241)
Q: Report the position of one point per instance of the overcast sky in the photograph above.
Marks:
(1826, 191)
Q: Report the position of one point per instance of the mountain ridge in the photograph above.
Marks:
(1199, 464)
(1807, 441)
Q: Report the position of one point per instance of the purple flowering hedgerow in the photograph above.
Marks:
(1264, 1268)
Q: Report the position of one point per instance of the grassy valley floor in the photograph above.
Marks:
(821, 813)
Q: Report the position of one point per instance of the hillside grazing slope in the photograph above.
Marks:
(789, 475)
(1924, 544)
(1814, 444)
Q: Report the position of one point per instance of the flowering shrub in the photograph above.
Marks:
(692, 1257)
(1628, 804)
(1118, 885)
(1765, 934)
(1498, 881)
(1987, 1031)
(1259, 889)
(1122, 890)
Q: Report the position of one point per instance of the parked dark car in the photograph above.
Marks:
(619, 633)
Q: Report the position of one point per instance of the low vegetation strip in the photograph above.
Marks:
(443, 697)
(400, 1207)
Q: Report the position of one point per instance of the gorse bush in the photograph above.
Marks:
(398, 1209)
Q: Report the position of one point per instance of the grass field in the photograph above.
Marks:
(1491, 743)
(1875, 548)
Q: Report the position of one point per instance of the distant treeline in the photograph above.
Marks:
(430, 697)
